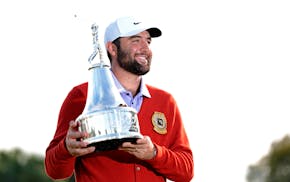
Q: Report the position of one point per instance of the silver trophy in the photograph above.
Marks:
(106, 117)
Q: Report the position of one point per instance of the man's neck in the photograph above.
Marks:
(129, 81)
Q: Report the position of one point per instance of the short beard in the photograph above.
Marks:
(131, 66)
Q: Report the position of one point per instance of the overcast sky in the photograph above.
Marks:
(226, 63)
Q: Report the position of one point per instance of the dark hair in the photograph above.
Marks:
(117, 43)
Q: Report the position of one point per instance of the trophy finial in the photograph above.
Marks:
(96, 44)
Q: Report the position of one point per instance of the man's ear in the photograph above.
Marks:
(111, 48)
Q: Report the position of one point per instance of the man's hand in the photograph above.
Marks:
(143, 149)
(74, 144)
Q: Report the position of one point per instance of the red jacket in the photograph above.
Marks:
(174, 159)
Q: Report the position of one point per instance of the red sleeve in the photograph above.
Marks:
(59, 164)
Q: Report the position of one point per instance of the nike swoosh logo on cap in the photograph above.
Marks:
(136, 23)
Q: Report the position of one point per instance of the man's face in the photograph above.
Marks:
(134, 54)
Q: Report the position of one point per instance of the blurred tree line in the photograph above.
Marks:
(275, 166)
(18, 166)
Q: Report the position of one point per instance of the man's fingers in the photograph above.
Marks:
(82, 151)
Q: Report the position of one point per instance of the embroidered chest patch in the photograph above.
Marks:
(159, 122)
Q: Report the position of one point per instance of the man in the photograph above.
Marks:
(163, 152)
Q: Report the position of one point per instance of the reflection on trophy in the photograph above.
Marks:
(106, 117)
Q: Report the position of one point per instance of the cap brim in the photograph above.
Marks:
(154, 32)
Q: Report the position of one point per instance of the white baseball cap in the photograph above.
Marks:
(128, 26)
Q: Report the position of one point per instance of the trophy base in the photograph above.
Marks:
(108, 129)
(111, 144)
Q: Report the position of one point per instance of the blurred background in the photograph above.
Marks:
(226, 62)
